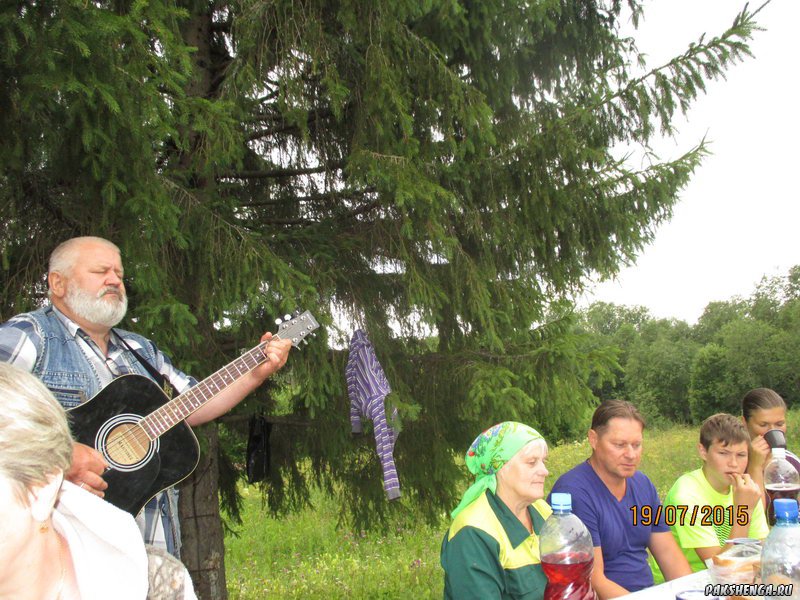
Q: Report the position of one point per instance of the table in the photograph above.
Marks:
(668, 589)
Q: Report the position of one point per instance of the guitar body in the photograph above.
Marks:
(140, 467)
(143, 435)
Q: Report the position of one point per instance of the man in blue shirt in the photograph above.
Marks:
(608, 494)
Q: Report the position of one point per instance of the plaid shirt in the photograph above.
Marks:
(19, 340)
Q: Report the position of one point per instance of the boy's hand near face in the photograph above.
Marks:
(746, 492)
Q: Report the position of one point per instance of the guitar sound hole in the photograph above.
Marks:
(127, 444)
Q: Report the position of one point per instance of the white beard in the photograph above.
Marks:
(96, 309)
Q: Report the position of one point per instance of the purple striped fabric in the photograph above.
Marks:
(367, 388)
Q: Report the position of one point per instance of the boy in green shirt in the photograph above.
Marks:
(719, 501)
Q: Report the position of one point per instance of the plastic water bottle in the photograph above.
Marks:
(567, 553)
(780, 558)
(781, 480)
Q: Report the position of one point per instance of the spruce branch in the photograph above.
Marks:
(282, 173)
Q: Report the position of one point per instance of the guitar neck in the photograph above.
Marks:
(163, 419)
(173, 412)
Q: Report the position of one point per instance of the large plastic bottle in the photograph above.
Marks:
(567, 553)
(780, 558)
(781, 480)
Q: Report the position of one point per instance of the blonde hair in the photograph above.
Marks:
(62, 259)
(34, 435)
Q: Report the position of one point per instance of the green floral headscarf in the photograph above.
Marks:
(490, 451)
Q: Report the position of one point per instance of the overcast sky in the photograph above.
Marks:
(739, 217)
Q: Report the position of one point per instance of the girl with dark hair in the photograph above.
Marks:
(763, 410)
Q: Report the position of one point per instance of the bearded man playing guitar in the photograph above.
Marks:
(71, 345)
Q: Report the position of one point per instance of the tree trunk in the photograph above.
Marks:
(203, 550)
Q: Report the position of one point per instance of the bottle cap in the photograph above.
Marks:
(561, 501)
(785, 508)
(779, 453)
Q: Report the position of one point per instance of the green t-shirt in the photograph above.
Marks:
(693, 490)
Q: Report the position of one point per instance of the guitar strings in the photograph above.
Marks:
(122, 441)
(136, 429)
(134, 433)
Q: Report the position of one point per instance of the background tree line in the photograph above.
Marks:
(683, 373)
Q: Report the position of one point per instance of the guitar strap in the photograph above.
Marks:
(163, 382)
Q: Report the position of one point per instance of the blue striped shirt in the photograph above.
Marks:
(367, 387)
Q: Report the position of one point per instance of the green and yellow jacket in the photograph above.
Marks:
(488, 553)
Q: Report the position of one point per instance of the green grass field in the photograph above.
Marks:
(305, 556)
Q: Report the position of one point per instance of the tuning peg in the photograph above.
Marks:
(287, 317)
(278, 321)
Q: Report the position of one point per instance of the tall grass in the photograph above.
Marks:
(305, 556)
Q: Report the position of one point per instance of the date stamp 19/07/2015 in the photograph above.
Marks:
(683, 515)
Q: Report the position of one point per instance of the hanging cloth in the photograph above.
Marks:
(367, 388)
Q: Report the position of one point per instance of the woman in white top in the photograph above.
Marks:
(57, 541)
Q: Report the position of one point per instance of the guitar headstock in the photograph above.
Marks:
(296, 327)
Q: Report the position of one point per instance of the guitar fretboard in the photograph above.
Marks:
(173, 412)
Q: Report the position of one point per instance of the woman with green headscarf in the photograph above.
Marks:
(492, 547)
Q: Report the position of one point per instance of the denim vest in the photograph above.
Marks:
(62, 365)
(71, 377)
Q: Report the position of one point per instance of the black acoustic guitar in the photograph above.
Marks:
(142, 433)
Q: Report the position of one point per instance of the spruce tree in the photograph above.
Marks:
(440, 173)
